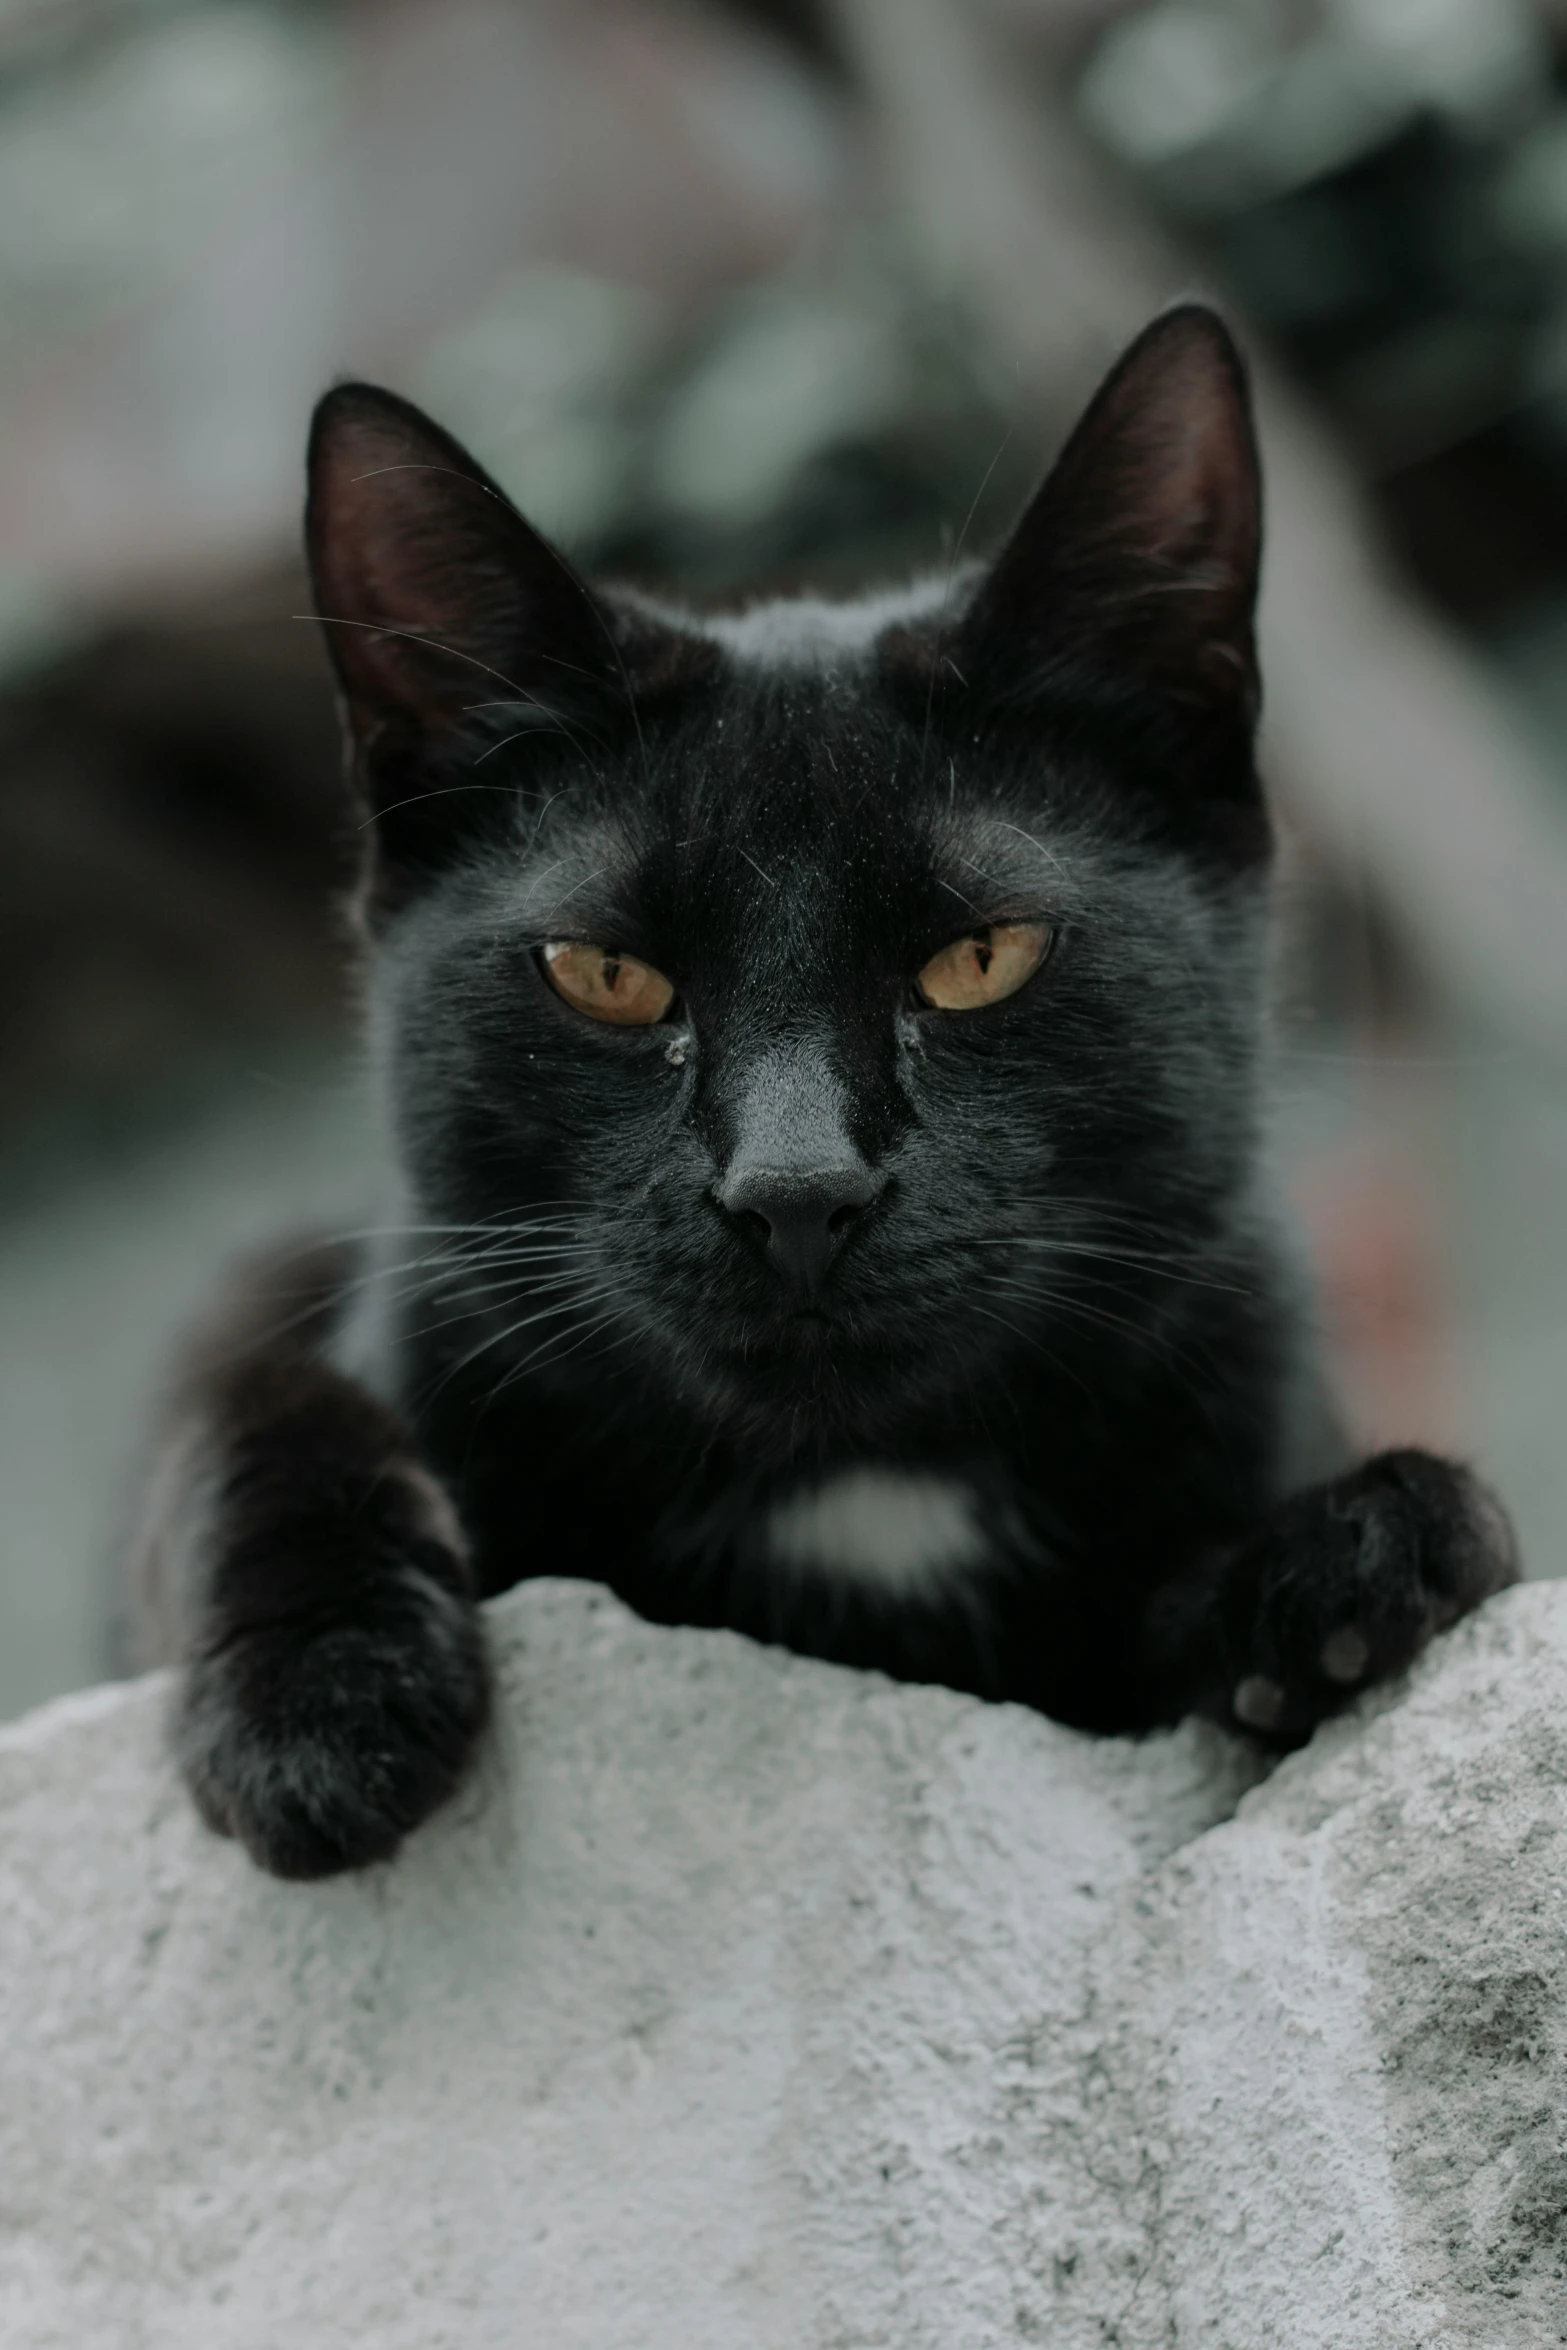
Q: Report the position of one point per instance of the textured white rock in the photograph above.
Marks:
(746, 2004)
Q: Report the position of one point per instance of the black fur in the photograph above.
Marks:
(1041, 1275)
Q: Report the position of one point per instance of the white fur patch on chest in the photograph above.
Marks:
(884, 1529)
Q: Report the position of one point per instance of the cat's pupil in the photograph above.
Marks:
(984, 952)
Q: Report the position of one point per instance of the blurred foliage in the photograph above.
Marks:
(173, 838)
(1383, 186)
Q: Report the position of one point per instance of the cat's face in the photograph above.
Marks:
(821, 1016)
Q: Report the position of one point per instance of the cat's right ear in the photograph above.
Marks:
(449, 619)
(435, 595)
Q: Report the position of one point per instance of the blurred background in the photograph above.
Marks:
(799, 291)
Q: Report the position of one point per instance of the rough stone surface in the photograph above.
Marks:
(747, 2004)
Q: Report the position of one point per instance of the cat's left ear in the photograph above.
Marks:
(1136, 564)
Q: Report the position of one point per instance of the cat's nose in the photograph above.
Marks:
(800, 1218)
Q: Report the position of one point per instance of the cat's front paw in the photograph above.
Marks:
(1348, 1581)
(320, 1740)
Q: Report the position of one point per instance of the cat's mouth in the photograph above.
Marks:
(806, 1332)
(810, 1351)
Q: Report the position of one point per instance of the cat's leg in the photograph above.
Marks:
(1342, 1586)
(309, 1577)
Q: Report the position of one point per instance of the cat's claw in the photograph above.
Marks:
(1348, 1582)
(1346, 1654)
(1259, 1702)
(1265, 1705)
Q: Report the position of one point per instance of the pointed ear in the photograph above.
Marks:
(1136, 565)
(435, 596)
(454, 628)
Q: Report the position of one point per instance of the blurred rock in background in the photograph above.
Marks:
(786, 294)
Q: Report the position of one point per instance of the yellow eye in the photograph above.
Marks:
(984, 967)
(605, 985)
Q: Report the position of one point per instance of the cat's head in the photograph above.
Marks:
(819, 1017)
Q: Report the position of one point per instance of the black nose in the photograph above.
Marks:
(800, 1219)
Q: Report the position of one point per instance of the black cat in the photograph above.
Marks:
(822, 1052)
